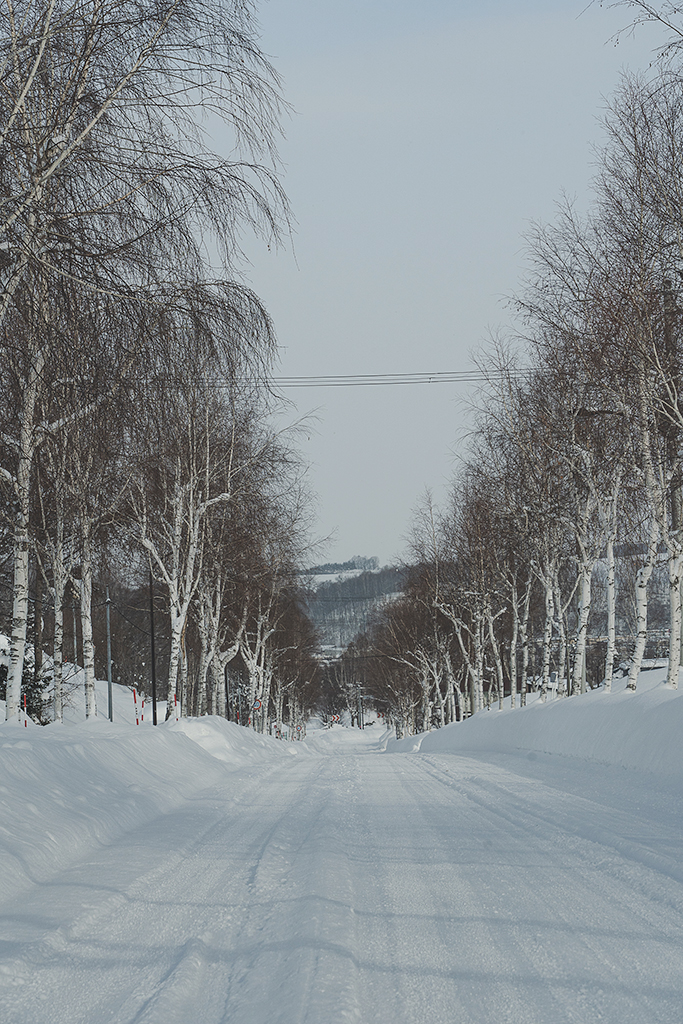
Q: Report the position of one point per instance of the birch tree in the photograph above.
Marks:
(107, 180)
(98, 111)
(174, 488)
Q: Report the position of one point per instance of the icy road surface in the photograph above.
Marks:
(351, 885)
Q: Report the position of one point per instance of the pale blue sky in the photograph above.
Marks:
(426, 139)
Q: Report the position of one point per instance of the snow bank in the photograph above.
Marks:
(232, 743)
(73, 696)
(641, 730)
(68, 789)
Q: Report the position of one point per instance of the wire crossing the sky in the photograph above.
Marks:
(356, 380)
(350, 380)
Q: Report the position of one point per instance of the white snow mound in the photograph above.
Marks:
(231, 743)
(640, 730)
(67, 790)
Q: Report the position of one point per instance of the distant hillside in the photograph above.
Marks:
(331, 568)
(341, 609)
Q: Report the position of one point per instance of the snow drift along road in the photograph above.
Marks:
(642, 730)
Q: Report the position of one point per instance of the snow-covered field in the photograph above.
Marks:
(521, 868)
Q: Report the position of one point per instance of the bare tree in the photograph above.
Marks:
(108, 181)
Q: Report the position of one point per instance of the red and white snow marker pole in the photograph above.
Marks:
(142, 710)
(175, 700)
(135, 701)
(25, 715)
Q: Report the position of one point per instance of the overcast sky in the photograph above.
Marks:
(425, 140)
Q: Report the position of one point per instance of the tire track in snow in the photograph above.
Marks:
(123, 919)
(620, 935)
(300, 964)
(577, 816)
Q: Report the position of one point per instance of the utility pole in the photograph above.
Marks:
(73, 612)
(110, 690)
(38, 631)
(151, 633)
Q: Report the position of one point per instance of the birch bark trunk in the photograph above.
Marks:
(22, 488)
(497, 660)
(547, 637)
(202, 703)
(58, 653)
(182, 686)
(218, 688)
(86, 619)
(675, 565)
(279, 704)
(642, 580)
(525, 644)
(513, 645)
(585, 570)
(611, 613)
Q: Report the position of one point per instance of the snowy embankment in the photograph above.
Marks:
(640, 730)
(68, 789)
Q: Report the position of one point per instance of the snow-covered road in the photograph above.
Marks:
(354, 885)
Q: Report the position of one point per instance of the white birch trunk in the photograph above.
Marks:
(675, 565)
(525, 643)
(474, 665)
(22, 488)
(253, 649)
(58, 656)
(497, 660)
(267, 675)
(174, 661)
(218, 688)
(202, 702)
(451, 713)
(279, 703)
(440, 702)
(426, 709)
(182, 686)
(86, 619)
(562, 667)
(611, 613)
(479, 660)
(655, 490)
(513, 646)
(547, 637)
(19, 617)
(585, 570)
(559, 623)
(59, 581)
(642, 580)
(253, 688)
(450, 700)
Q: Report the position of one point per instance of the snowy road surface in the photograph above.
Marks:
(354, 885)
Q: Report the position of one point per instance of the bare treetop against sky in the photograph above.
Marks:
(425, 139)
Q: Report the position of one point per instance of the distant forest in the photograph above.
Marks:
(341, 609)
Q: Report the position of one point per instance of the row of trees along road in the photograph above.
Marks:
(569, 505)
(134, 398)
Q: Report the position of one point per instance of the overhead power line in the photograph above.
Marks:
(344, 380)
(356, 380)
